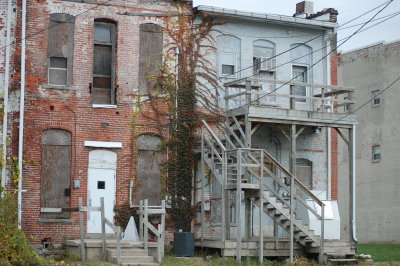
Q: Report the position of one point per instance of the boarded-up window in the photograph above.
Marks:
(150, 59)
(103, 90)
(148, 169)
(56, 169)
(304, 172)
(60, 49)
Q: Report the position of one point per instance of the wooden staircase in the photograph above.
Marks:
(256, 176)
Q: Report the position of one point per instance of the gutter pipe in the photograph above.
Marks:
(6, 85)
(21, 111)
(354, 184)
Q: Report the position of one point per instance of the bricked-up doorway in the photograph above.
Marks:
(148, 169)
(101, 183)
(56, 172)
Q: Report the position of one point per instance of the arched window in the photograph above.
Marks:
(263, 51)
(148, 177)
(264, 67)
(304, 172)
(228, 55)
(150, 57)
(301, 60)
(56, 172)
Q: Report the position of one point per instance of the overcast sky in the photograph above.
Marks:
(348, 9)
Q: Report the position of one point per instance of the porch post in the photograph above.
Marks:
(292, 188)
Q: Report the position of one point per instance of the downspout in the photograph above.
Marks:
(354, 184)
(21, 112)
(6, 84)
(327, 80)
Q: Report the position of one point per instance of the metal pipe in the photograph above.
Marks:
(21, 113)
(130, 193)
(354, 184)
(6, 84)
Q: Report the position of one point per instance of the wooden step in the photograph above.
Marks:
(127, 252)
(344, 261)
(133, 259)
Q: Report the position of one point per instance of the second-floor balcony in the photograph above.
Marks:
(290, 102)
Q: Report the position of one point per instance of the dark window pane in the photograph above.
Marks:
(57, 77)
(58, 62)
(228, 69)
(102, 60)
(101, 185)
(104, 83)
(102, 33)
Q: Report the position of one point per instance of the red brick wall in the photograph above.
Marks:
(72, 109)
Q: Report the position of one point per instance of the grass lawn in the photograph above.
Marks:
(380, 252)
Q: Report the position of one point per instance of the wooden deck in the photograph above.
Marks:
(273, 248)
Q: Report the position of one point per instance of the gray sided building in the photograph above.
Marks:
(370, 70)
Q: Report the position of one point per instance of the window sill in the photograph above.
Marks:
(59, 221)
(109, 106)
(57, 87)
(376, 161)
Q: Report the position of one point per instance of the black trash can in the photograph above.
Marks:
(183, 244)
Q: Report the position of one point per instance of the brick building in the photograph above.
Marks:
(86, 64)
(86, 68)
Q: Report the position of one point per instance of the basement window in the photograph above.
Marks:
(376, 153)
(376, 98)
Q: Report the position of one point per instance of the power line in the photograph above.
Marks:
(346, 39)
(370, 100)
(55, 25)
(299, 44)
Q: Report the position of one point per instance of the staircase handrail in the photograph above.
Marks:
(215, 137)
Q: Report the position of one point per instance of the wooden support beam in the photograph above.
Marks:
(284, 133)
(299, 132)
(247, 139)
(103, 229)
(203, 184)
(342, 135)
(82, 231)
(238, 208)
(261, 213)
(292, 186)
(255, 128)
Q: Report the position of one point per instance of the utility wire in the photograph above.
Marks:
(55, 25)
(370, 100)
(300, 44)
(308, 68)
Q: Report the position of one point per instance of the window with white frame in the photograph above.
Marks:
(228, 63)
(263, 53)
(58, 71)
(228, 56)
(300, 56)
(376, 98)
(376, 153)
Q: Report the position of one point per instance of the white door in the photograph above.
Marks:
(101, 183)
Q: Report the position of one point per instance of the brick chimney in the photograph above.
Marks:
(304, 9)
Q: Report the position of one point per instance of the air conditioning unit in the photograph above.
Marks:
(267, 64)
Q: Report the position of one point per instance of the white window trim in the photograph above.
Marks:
(373, 99)
(308, 92)
(57, 68)
(235, 69)
(373, 154)
(109, 106)
(103, 144)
